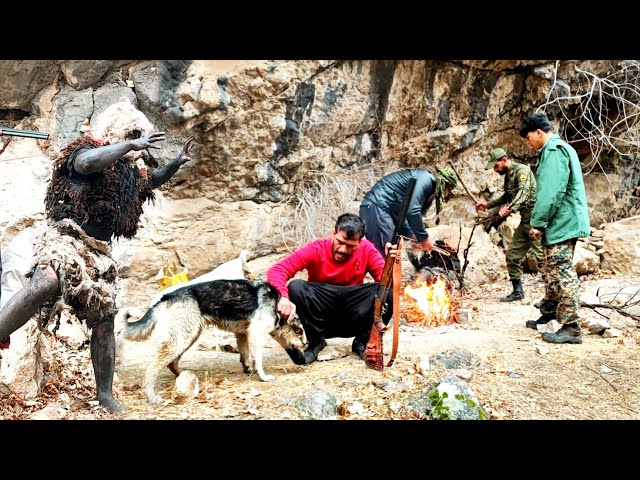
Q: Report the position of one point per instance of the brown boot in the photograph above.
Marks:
(569, 333)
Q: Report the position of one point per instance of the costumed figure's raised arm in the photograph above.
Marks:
(163, 174)
(97, 159)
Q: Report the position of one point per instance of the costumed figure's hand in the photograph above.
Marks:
(482, 205)
(287, 309)
(143, 143)
(536, 234)
(184, 154)
(504, 211)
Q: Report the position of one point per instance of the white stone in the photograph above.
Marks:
(541, 349)
(462, 373)
(422, 364)
(585, 260)
(549, 327)
(623, 247)
(464, 315)
(53, 411)
(596, 326)
(186, 387)
(612, 333)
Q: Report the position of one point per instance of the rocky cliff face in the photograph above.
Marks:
(264, 128)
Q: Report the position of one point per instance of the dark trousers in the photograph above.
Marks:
(378, 224)
(328, 311)
(520, 245)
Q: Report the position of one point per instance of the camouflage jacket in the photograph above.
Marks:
(519, 191)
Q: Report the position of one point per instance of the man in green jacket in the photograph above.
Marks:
(519, 196)
(560, 217)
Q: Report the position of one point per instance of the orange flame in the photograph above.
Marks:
(430, 304)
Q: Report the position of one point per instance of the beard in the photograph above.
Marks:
(340, 257)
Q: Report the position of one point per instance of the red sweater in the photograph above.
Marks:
(317, 259)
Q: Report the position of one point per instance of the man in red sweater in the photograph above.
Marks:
(334, 302)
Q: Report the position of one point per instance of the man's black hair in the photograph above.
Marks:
(352, 225)
(534, 122)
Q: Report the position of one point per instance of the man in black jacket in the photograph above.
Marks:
(382, 204)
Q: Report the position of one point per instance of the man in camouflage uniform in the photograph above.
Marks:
(519, 196)
(560, 217)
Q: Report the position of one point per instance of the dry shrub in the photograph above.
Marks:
(321, 200)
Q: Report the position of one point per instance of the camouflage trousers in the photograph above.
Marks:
(562, 295)
(518, 248)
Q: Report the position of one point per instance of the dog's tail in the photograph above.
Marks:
(141, 329)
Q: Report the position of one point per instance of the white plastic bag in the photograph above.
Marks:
(16, 260)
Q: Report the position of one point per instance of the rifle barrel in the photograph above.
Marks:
(405, 208)
(383, 289)
(12, 132)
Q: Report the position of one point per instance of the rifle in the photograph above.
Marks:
(373, 352)
(12, 132)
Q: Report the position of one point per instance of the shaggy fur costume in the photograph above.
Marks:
(85, 269)
(111, 199)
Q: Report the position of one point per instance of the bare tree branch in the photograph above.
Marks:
(604, 111)
(620, 310)
(466, 253)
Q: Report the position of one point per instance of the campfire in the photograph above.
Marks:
(430, 302)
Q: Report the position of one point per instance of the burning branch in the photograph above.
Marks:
(431, 302)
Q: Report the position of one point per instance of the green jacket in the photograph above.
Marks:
(519, 191)
(561, 202)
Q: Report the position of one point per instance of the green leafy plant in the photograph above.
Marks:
(439, 411)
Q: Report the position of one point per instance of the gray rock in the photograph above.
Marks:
(317, 406)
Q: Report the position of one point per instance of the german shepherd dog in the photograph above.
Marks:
(244, 307)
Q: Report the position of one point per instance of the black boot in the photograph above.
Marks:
(545, 318)
(517, 294)
(311, 352)
(359, 344)
(569, 333)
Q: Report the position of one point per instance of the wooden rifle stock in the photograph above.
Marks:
(373, 352)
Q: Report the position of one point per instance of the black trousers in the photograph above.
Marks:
(328, 311)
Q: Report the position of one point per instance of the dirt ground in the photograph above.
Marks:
(517, 375)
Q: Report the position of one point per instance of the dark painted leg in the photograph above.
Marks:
(21, 307)
(103, 357)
